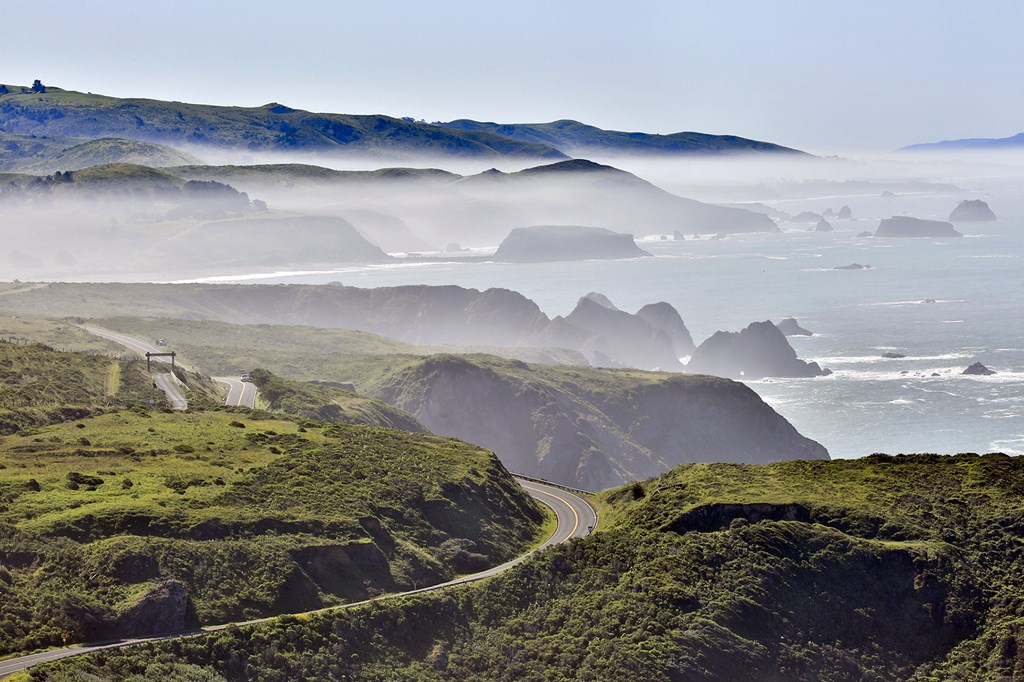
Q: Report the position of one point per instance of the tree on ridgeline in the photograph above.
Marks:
(37, 86)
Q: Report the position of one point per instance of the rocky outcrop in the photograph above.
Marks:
(968, 211)
(823, 226)
(678, 236)
(760, 350)
(890, 355)
(592, 427)
(845, 213)
(806, 217)
(564, 242)
(601, 300)
(852, 266)
(865, 234)
(163, 607)
(665, 317)
(907, 227)
(610, 337)
(790, 327)
(978, 369)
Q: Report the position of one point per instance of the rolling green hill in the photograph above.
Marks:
(329, 402)
(271, 127)
(579, 139)
(891, 569)
(118, 517)
(99, 152)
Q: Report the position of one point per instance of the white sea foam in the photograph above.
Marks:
(918, 302)
(1009, 446)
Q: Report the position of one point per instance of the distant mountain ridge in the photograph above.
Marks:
(78, 117)
(271, 127)
(572, 138)
(969, 143)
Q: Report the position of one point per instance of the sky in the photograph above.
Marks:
(827, 76)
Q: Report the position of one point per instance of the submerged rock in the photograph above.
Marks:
(852, 266)
(893, 356)
(970, 210)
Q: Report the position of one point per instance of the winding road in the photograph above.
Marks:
(240, 393)
(576, 518)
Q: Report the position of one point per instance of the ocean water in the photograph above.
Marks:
(944, 303)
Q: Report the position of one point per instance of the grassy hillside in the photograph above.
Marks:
(146, 521)
(573, 137)
(39, 385)
(329, 402)
(106, 150)
(886, 568)
(272, 127)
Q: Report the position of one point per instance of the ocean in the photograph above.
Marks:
(943, 303)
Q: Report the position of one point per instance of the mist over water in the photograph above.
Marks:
(920, 403)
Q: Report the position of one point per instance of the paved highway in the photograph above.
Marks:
(240, 393)
(576, 518)
(165, 381)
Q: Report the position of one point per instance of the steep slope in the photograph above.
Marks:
(272, 127)
(612, 338)
(495, 320)
(578, 139)
(329, 402)
(481, 210)
(758, 350)
(892, 569)
(139, 522)
(604, 196)
(587, 427)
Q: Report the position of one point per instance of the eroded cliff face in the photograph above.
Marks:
(591, 427)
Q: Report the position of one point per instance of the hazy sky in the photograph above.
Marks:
(823, 75)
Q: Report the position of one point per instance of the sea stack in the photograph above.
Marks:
(907, 227)
(972, 211)
(564, 242)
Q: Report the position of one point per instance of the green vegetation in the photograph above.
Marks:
(103, 151)
(39, 385)
(573, 137)
(272, 127)
(118, 519)
(141, 521)
(329, 403)
(886, 568)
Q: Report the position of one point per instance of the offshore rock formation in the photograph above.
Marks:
(972, 211)
(907, 227)
(760, 350)
(563, 242)
(790, 327)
